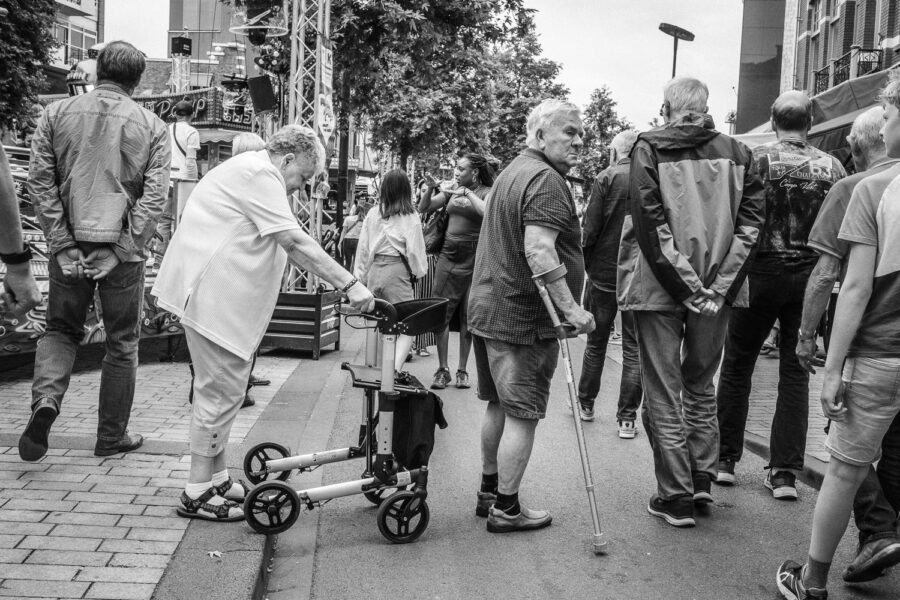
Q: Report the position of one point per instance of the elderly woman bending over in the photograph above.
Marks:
(221, 275)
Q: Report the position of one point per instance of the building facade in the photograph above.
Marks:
(78, 26)
(839, 40)
(759, 80)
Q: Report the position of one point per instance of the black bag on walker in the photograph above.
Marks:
(415, 418)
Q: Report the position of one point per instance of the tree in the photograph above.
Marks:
(523, 79)
(418, 71)
(601, 123)
(26, 43)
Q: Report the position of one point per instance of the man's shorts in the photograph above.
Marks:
(517, 376)
(872, 398)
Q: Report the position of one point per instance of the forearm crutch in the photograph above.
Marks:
(562, 334)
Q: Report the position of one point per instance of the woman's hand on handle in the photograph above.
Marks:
(360, 298)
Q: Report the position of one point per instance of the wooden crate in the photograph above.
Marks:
(304, 321)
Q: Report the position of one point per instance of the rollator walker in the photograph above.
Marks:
(563, 330)
(387, 481)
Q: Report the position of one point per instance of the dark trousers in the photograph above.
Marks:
(772, 296)
(121, 295)
(877, 500)
(348, 252)
(603, 306)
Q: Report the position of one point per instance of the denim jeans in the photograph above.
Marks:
(603, 306)
(679, 354)
(121, 295)
(877, 500)
(772, 296)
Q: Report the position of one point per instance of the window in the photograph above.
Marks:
(74, 43)
(815, 8)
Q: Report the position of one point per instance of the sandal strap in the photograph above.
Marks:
(225, 486)
(193, 505)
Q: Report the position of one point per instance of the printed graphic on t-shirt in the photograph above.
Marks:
(797, 179)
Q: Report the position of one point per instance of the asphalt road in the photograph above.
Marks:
(732, 553)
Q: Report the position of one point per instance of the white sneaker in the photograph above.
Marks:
(627, 430)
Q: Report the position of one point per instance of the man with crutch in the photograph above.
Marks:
(697, 207)
(530, 227)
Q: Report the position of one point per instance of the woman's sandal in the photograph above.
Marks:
(201, 509)
(226, 486)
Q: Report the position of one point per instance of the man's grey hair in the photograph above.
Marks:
(542, 114)
(686, 94)
(300, 141)
(624, 142)
(891, 92)
(865, 133)
(246, 142)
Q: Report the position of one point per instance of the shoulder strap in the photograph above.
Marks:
(412, 278)
(175, 137)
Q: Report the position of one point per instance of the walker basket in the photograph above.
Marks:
(415, 317)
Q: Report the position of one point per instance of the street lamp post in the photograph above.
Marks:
(677, 33)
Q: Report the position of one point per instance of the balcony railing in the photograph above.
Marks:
(841, 69)
(821, 81)
(868, 61)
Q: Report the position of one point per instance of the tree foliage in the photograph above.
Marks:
(601, 124)
(523, 79)
(26, 42)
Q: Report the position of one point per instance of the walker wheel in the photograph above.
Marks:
(272, 507)
(403, 517)
(256, 459)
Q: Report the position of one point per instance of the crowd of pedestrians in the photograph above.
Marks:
(698, 242)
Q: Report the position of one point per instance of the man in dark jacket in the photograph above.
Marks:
(603, 220)
(797, 177)
(697, 207)
(98, 179)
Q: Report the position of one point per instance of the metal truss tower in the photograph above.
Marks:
(310, 41)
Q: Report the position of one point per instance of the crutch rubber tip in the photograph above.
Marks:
(599, 544)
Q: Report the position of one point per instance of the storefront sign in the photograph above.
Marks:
(213, 107)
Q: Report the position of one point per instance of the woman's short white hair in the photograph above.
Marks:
(686, 94)
(300, 141)
(542, 114)
(246, 142)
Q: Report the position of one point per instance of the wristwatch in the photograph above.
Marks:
(17, 258)
(805, 337)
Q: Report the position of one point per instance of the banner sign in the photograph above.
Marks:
(213, 107)
(324, 105)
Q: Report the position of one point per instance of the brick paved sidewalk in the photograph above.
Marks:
(76, 526)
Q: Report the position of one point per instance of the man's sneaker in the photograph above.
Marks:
(678, 512)
(586, 411)
(872, 559)
(441, 379)
(702, 488)
(462, 379)
(789, 580)
(485, 502)
(782, 484)
(33, 443)
(500, 522)
(627, 430)
(725, 472)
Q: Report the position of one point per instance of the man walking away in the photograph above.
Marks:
(185, 142)
(530, 227)
(696, 212)
(878, 498)
(797, 177)
(862, 372)
(602, 233)
(98, 179)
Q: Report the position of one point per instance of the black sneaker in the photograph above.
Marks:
(585, 410)
(678, 512)
(702, 488)
(725, 472)
(33, 442)
(789, 580)
(441, 379)
(782, 484)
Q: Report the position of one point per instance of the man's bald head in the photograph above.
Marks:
(792, 111)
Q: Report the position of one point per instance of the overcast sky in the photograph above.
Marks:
(612, 42)
(618, 43)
